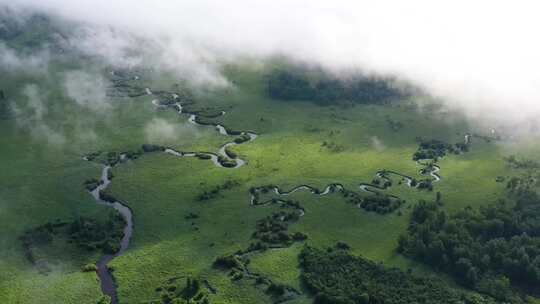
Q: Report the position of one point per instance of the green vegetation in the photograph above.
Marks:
(295, 84)
(226, 162)
(241, 139)
(42, 244)
(30, 35)
(273, 230)
(518, 163)
(490, 249)
(91, 184)
(190, 215)
(335, 276)
(203, 156)
(4, 106)
(84, 232)
(214, 192)
(147, 148)
(380, 203)
(395, 126)
(174, 292)
(162, 189)
(91, 234)
(435, 149)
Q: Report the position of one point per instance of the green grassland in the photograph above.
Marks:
(42, 181)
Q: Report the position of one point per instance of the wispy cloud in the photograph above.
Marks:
(377, 143)
(478, 56)
(12, 62)
(161, 131)
(87, 89)
(32, 115)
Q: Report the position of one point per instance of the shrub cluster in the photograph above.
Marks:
(273, 230)
(173, 291)
(380, 203)
(435, 149)
(333, 147)
(214, 192)
(242, 138)
(147, 148)
(230, 153)
(517, 163)
(257, 191)
(377, 202)
(227, 162)
(91, 184)
(426, 184)
(522, 184)
(92, 156)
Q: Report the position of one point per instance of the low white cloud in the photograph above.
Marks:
(479, 56)
(87, 89)
(115, 47)
(161, 131)
(377, 144)
(12, 62)
(32, 115)
(43, 132)
(85, 134)
(34, 102)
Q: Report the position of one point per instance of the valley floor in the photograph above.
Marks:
(298, 143)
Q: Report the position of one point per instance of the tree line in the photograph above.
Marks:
(295, 85)
(335, 276)
(493, 249)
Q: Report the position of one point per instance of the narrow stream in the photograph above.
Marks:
(331, 188)
(108, 286)
(366, 187)
(222, 152)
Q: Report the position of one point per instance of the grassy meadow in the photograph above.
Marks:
(42, 179)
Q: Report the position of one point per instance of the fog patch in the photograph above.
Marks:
(34, 103)
(85, 135)
(88, 90)
(121, 49)
(377, 144)
(161, 131)
(457, 50)
(12, 62)
(32, 115)
(116, 48)
(44, 132)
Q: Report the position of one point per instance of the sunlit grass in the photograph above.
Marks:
(42, 182)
